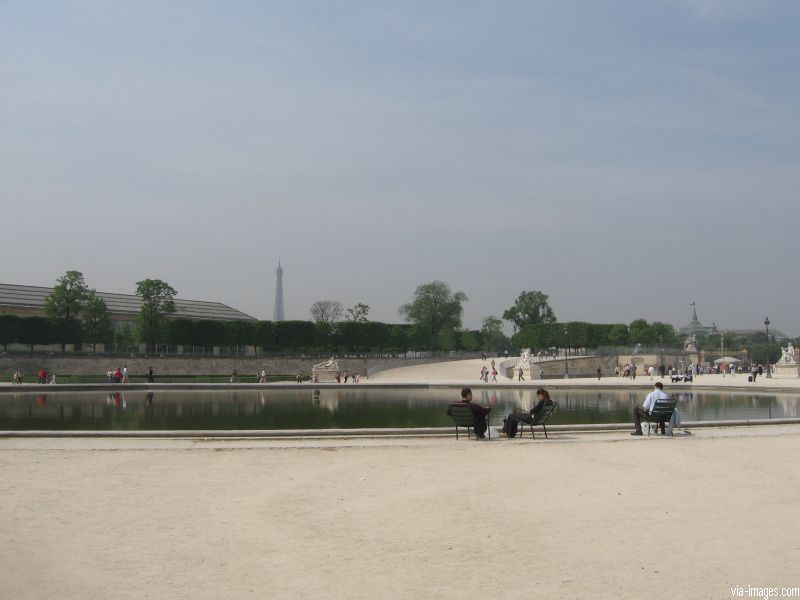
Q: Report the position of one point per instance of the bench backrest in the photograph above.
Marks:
(663, 409)
(544, 413)
(462, 415)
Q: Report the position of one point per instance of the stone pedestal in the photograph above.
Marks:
(785, 371)
(325, 375)
(326, 372)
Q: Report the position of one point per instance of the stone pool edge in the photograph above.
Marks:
(366, 432)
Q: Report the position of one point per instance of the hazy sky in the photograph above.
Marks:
(624, 157)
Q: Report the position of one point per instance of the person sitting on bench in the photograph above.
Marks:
(511, 421)
(649, 404)
(478, 412)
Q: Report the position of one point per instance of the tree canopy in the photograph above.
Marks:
(327, 311)
(96, 321)
(64, 305)
(436, 312)
(158, 302)
(359, 313)
(530, 308)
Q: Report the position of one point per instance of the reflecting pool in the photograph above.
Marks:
(307, 408)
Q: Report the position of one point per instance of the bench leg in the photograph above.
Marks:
(545, 430)
(533, 435)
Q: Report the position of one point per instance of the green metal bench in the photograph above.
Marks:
(662, 413)
(540, 418)
(463, 417)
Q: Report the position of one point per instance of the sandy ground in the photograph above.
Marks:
(578, 516)
(467, 372)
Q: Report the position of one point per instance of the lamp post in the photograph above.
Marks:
(769, 364)
(722, 352)
(566, 350)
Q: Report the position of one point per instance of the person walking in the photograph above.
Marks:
(494, 375)
(599, 373)
(520, 374)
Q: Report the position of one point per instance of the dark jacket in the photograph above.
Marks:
(476, 409)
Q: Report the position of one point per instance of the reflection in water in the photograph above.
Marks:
(337, 408)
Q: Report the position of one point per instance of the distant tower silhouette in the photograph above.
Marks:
(279, 314)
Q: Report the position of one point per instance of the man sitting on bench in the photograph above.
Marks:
(478, 412)
(649, 404)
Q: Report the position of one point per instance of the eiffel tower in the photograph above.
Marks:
(279, 314)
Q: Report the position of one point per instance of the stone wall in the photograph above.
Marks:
(580, 366)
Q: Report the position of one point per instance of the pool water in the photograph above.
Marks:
(307, 408)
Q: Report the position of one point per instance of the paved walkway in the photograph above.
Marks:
(421, 518)
(467, 372)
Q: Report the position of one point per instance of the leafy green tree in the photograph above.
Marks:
(124, 338)
(327, 311)
(598, 335)
(158, 302)
(470, 340)
(96, 321)
(435, 310)
(9, 330)
(492, 333)
(765, 354)
(642, 333)
(242, 334)
(539, 337)
(447, 340)
(358, 314)
(295, 335)
(324, 339)
(265, 335)
(376, 335)
(619, 335)
(210, 332)
(362, 336)
(399, 338)
(34, 331)
(530, 308)
(664, 333)
(180, 332)
(577, 334)
(64, 305)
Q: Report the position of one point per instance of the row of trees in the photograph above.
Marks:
(760, 348)
(577, 334)
(76, 315)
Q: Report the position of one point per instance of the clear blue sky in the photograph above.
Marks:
(624, 157)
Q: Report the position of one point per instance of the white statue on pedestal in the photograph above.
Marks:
(788, 357)
(329, 365)
(691, 344)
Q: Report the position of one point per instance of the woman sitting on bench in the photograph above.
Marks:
(511, 422)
